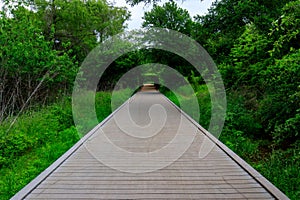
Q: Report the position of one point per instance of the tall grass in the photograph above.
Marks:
(183, 97)
(37, 139)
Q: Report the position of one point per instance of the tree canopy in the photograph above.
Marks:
(43, 43)
(80, 23)
(169, 16)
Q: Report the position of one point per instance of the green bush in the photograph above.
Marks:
(279, 108)
(32, 130)
(20, 170)
(30, 68)
(289, 131)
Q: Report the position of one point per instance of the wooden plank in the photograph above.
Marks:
(156, 185)
(178, 170)
(189, 178)
(174, 174)
(233, 183)
(140, 190)
(136, 196)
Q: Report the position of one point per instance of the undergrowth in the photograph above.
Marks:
(37, 139)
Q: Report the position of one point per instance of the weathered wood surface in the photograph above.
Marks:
(220, 175)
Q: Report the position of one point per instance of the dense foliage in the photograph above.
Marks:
(256, 45)
(42, 47)
(30, 68)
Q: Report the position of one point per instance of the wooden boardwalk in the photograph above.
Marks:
(79, 174)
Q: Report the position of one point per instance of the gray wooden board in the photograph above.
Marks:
(82, 176)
